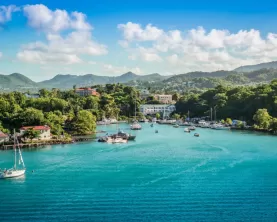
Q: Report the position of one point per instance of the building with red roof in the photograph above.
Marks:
(45, 131)
(84, 91)
(3, 137)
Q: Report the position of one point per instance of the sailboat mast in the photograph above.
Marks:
(135, 109)
(14, 149)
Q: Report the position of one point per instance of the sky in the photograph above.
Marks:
(41, 39)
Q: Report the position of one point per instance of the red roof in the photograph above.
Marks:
(3, 135)
(35, 127)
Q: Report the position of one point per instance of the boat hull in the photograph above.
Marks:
(12, 174)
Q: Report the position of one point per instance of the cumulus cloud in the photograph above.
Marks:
(59, 48)
(6, 13)
(198, 49)
(134, 32)
(42, 18)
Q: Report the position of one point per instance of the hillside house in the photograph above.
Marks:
(44, 131)
(84, 91)
(166, 99)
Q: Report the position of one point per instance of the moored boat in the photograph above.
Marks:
(187, 130)
(135, 126)
(176, 126)
(18, 169)
(196, 135)
(192, 128)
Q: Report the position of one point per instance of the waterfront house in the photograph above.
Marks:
(85, 91)
(3, 137)
(164, 109)
(44, 131)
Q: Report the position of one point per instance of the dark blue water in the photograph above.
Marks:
(169, 176)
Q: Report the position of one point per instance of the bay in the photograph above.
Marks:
(168, 176)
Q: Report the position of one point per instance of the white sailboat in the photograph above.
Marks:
(18, 169)
(135, 125)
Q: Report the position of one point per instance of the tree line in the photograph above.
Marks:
(65, 111)
(257, 105)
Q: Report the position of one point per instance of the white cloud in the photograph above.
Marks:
(59, 48)
(110, 69)
(6, 13)
(42, 18)
(145, 54)
(134, 32)
(198, 49)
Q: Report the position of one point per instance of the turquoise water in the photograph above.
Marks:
(169, 176)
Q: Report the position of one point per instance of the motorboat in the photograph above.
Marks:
(220, 127)
(187, 130)
(196, 135)
(176, 126)
(119, 140)
(192, 128)
(124, 135)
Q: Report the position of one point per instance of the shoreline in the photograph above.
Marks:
(47, 143)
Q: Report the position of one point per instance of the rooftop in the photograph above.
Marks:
(35, 127)
(3, 135)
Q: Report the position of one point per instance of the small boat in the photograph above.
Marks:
(192, 128)
(119, 140)
(196, 135)
(187, 130)
(156, 131)
(136, 126)
(16, 171)
(176, 126)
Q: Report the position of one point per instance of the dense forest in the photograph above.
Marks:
(253, 104)
(65, 110)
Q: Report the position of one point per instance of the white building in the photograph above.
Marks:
(32, 96)
(166, 99)
(164, 109)
(44, 131)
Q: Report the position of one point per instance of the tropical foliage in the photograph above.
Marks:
(65, 110)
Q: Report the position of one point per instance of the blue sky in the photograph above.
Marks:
(43, 38)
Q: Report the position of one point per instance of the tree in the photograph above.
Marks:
(273, 125)
(158, 115)
(55, 121)
(175, 97)
(32, 117)
(83, 123)
(262, 119)
(229, 121)
(2, 129)
(176, 116)
(31, 134)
